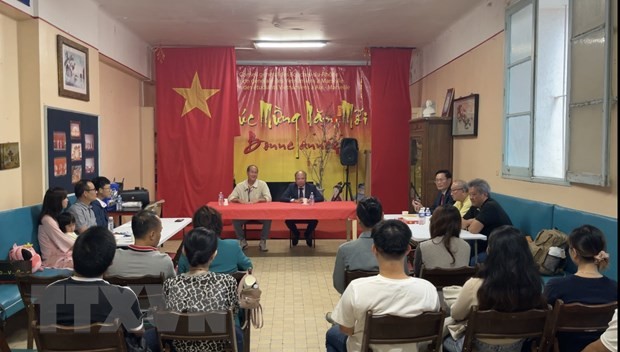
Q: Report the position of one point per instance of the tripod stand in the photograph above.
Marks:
(346, 186)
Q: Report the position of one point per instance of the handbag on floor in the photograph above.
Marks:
(249, 299)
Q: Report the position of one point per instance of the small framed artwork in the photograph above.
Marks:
(89, 142)
(89, 166)
(74, 127)
(76, 151)
(447, 103)
(60, 141)
(9, 156)
(465, 116)
(76, 173)
(60, 166)
(72, 61)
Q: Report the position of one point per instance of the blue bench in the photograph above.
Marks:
(19, 226)
(532, 216)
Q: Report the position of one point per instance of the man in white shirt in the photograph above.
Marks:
(251, 191)
(609, 338)
(86, 193)
(391, 292)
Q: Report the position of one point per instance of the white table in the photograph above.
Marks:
(423, 232)
(170, 227)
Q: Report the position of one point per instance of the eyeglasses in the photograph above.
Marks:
(456, 189)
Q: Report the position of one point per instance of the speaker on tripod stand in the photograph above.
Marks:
(348, 157)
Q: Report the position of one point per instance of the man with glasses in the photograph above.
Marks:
(102, 185)
(485, 214)
(86, 193)
(443, 179)
(459, 192)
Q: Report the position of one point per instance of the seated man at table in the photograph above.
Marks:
(391, 292)
(142, 257)
(443, 180)
(459, 192)
(485, 214)
(102, 185)
(86, 298)
(82, 210)
(297, 192)
(251, 191)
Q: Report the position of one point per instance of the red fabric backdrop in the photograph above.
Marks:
(391, 109)
(196, 122)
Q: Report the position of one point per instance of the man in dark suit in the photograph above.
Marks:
(443, 181)
(299, 192)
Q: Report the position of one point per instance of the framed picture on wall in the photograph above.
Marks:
(73, 74)
(89, 142)
(447, 103)
(465, 116)
(60, 140)
(9, 156)
(60, 166)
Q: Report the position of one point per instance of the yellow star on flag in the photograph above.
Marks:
(196, 97)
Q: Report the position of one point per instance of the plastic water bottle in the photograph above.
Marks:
(427, 215)
(119, 203)
(311, 199)
(220, 199)
(111, 224)
(422, 216)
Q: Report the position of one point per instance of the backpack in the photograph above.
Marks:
(249, 299)
(549, 251)
(26, 253)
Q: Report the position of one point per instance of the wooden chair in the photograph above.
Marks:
(197, 326)
(578, 318)
(441, 277)
(301, 222)
(531, 324)
(148, 288)
(244, 314)
(350, 275)
(98, 337)
(390, 329)
(25, 283)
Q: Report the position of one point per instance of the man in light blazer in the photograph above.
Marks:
(299, 192)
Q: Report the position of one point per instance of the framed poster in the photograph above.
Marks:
(72, 147)
(72, 61)
(465, 116)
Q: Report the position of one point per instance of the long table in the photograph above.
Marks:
(423, 232)
(170, 227)
(286, 211)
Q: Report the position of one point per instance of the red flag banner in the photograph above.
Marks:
(288, 115)
(390, 127)
(196, 123)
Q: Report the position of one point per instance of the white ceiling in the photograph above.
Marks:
(349, 26)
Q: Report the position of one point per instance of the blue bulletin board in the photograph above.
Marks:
(72, 147)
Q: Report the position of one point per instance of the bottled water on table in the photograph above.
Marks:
(220, 199)
(111, 224)
(422, 216)
(311, 199)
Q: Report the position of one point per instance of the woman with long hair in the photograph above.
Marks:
(509, 281)
(56, 246)
(230, 256)
(200, 289)
(445, 249)
(587, 249)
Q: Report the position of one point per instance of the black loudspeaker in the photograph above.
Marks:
(348, 151)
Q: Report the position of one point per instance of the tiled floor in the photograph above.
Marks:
(296, 289)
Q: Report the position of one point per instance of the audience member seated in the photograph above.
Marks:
(299, 192)
(484, 216)
(66, 222)
(201, 290)
(251, 191)
(445, 249)
(55, 245)
(588, 286)
(508, 282)
(459, 192)
(85, 298)
(99, 205)
(608, 340)
(391, 292)
(85, 193)
(142, 257)
(443, 180)
(357, 255)
(230, 258)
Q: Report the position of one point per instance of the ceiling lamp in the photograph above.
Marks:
(291, 44)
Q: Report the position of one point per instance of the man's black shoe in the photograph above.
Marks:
(309, 242)
(295, 240)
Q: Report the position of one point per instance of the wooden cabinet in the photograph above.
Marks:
(430, 149)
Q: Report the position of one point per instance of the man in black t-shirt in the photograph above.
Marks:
(485, 213)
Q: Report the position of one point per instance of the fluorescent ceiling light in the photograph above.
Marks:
(293, 44)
